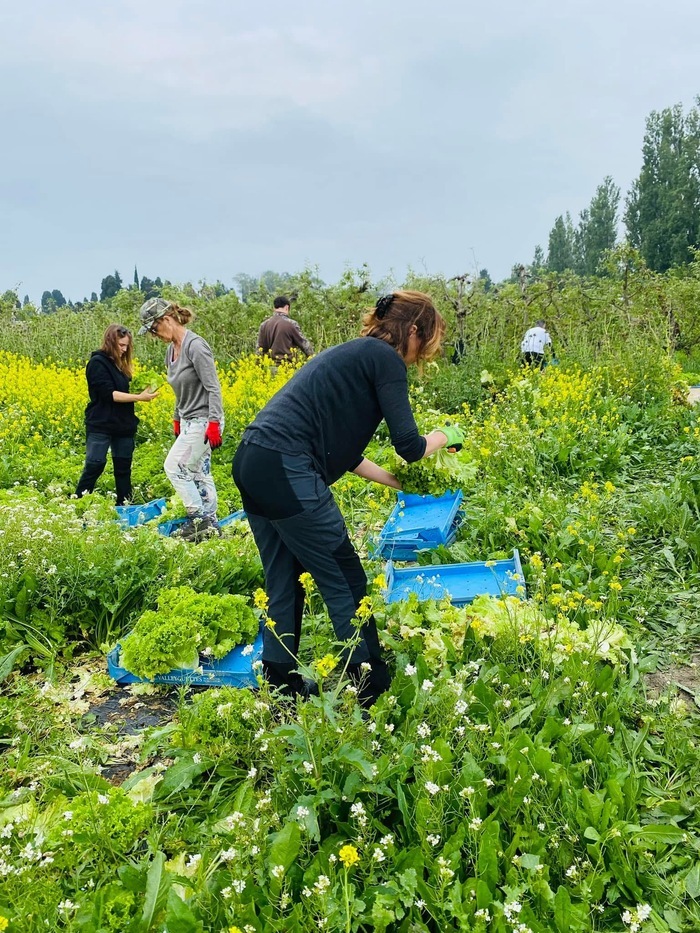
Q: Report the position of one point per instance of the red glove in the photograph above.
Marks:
(213, 434)
(176, 428)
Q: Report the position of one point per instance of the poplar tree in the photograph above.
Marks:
(662, 212)
(597, 229)
(560, 254)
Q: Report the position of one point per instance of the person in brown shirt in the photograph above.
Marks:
(280, 336)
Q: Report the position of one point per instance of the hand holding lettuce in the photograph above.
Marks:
(439, 473)
(148, 379)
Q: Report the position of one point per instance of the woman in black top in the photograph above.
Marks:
(310, 433)
(110, 420)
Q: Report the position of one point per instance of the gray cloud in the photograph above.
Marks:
(203, 140)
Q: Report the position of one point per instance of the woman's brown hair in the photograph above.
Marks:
(394, 316)
(181, 315)
(110, 346)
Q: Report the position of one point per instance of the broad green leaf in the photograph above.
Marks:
(285, 846)
(408, 880)
(157, 884)
(403, 805)
(593, 804)
(519, 718)
(21, 604)
(353, 784)
(7, 661)
(310, 821)
(484, 895)
(179, 918)
(180, 776)
(356, 757)
(674, 920)
(529, 861)
(487, 861)
(659, 833)
(131, 877)
(471, 772)
(580, 728)
(562, 910)
(692, 881)
(295, 735)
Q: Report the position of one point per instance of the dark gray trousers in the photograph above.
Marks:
(313, 539)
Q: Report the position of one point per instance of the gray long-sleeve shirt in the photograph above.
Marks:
(194, 380)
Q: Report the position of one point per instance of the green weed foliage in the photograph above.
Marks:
(519, 775)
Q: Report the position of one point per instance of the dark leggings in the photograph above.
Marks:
(96, 460)
(533, 359)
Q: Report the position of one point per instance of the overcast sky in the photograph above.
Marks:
(203, 139)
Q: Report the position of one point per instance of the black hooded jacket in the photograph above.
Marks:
(102, 414)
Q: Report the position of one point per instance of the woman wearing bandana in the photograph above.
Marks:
(311, 432)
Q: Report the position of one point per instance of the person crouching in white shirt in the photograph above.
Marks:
(533, 344)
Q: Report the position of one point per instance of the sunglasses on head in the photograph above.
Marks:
(123, 332)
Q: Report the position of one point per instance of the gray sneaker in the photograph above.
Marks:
(198, 528)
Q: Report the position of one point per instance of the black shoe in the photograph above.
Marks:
(370, 683)
(284, 678)
(198, 528)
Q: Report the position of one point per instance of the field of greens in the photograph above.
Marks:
(535, 764)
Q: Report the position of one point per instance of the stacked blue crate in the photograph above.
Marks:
(167, 528)
(419, 523)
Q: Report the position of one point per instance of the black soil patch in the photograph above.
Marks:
(129, 715)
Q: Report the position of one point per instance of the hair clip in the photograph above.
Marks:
(383, 306)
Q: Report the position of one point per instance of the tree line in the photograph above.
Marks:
(661, 212)
(588, 317)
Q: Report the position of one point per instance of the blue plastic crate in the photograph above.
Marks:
(233, 517)
(461, 582)
(130, 515)
(233, 670)
(167, 528)
(418, 523)
(406, 547)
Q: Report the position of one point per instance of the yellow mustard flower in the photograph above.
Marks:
(325, 665)
(536, 561)
(349, 855)
(260, 599)
(364, 610)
